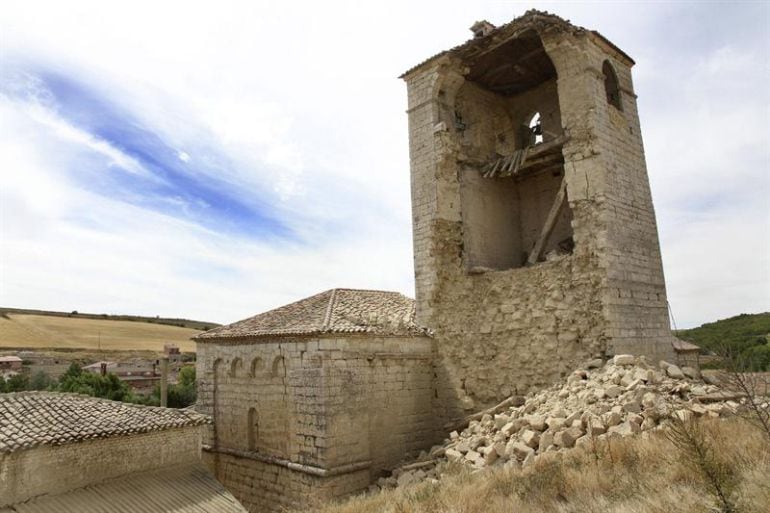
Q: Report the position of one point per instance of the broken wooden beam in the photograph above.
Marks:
(547, 147)
(550, 223)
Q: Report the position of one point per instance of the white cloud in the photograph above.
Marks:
(299, 103)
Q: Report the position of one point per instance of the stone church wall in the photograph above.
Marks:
(338, 411)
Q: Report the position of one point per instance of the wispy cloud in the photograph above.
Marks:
(251, 155)
(154, 176)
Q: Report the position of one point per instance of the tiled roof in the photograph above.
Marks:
(530, 19)
(178, 489)
(29, 419)
(334, 311)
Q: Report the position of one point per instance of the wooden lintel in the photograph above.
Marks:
(548, 146)
(550, 223)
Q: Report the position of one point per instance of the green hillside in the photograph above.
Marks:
(745, 334)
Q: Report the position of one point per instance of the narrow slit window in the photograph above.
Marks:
(253, 428)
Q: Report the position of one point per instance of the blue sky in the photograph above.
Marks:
(213, 160)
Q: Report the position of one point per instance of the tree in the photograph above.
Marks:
(41, 381)
(17, 383)
(181, 395)
(96, 385)
(187, 376)
(72, 372)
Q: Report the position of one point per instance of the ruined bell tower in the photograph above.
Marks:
(535, 240)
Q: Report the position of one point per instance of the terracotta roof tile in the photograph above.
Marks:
(29, 419)
(177, 489)
(333, 311)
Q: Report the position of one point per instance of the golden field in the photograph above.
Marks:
(42, 331)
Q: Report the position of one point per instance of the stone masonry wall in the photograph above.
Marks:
(267, 487)
(607, 166)
(515, 330)
(56, 469)
(636, 296)
(336, 408)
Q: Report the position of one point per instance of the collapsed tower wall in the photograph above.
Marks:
(535, 241)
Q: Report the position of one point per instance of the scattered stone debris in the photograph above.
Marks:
(624, 396)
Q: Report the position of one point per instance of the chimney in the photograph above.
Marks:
(164, 381)
(103, 368)
(482, 28)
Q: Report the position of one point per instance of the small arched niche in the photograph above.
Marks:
(611, 87)
(235, 366)
(278, 369)
(257, 365)
(217, 368)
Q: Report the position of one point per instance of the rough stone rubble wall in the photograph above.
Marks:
(521, 329)
(49, 470)
(352, 406)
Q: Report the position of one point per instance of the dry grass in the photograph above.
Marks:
(41, 331)
(630, 475)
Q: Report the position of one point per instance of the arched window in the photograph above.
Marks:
(217, 369)
(253, 428)
(535, 129)
(256, 365)
(235, 366)
(611, 86)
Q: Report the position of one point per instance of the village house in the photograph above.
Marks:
(73, 453)
(10, 363)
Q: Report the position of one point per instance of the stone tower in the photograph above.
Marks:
(535, 240)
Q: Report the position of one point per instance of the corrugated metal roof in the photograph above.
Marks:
(29, 419)
(180, 489)
(334, 311)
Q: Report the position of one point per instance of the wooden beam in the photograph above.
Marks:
(550, 222)
(549, 146)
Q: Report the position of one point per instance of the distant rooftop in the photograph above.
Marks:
(334, 311)
(30, 419)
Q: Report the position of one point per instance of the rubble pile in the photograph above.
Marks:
(621, 397)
